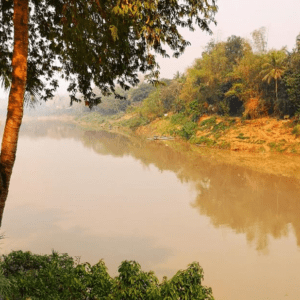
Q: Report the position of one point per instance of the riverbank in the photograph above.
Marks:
(264, 135)
(265, 145)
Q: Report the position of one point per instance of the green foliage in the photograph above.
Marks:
(141, 92)
(5, 285)
(170, 95)
(112, 104)
(195, 110)
(232, 80)
(296, 130)
(224, 108)
(203, 140)
(92, 117)
(133, 284)
(208, 123)
(242, 137)
(152, 107)
(186, 284)
(291, 79)
(29, 276)
(99, 42)
(234, 48)
(277, 146)
(222, 126)
(135, 122)
(187, 130)
(178, 119)
(274, 68)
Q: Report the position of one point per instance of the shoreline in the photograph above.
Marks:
(272, 162)
(264, 135)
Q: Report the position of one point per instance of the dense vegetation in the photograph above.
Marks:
(29, 276)
(232, 78)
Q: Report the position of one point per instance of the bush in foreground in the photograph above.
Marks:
(29, 276)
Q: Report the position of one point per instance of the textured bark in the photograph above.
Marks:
(15, 100)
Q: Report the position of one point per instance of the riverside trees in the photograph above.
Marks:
(96, 41)
(232, 79)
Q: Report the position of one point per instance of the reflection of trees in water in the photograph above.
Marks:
(247, 201)
(53, 129)
(252, 203)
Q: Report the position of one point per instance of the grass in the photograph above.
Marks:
(278, 147)
(187, 130)
(208, 123)
(259, 142)
(242, 137)
(134, 122)
(202, 140)
(224, 145)
(262, 149)
(178, 119)
(93, 117)
(222, 126)
(296, 130)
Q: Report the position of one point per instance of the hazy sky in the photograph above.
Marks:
(241, 17)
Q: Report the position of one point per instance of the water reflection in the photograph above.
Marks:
(106, 195)
(255, 203)
(44, 226)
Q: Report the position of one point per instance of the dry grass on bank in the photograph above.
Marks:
(261, 135)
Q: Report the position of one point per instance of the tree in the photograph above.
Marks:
(87, 41)
(234, 48)
(298, 43)
(110, 104)
(57, 276)
(291, 79)
(141, 92)
(274, 68)
(205, 79)
(260, 39)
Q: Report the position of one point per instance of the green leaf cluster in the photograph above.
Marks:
(103, 42)
(24, 275)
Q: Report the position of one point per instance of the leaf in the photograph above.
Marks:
(114, 32)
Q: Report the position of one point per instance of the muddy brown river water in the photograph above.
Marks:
(104, 195)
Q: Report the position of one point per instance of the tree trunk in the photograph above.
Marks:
(16, 98)
(276, 90)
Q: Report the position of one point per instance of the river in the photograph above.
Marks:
(104, 195)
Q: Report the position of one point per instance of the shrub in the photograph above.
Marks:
(135, 122)
(187, 130)
(178, 118)
(202, 140)
(5, 285)
(296, 130)
(152, 107)
(55, 276)
(255, 107)
(209, 122)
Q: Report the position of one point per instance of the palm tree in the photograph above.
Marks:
(274, 68)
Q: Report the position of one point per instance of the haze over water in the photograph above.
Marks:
(102, 195)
